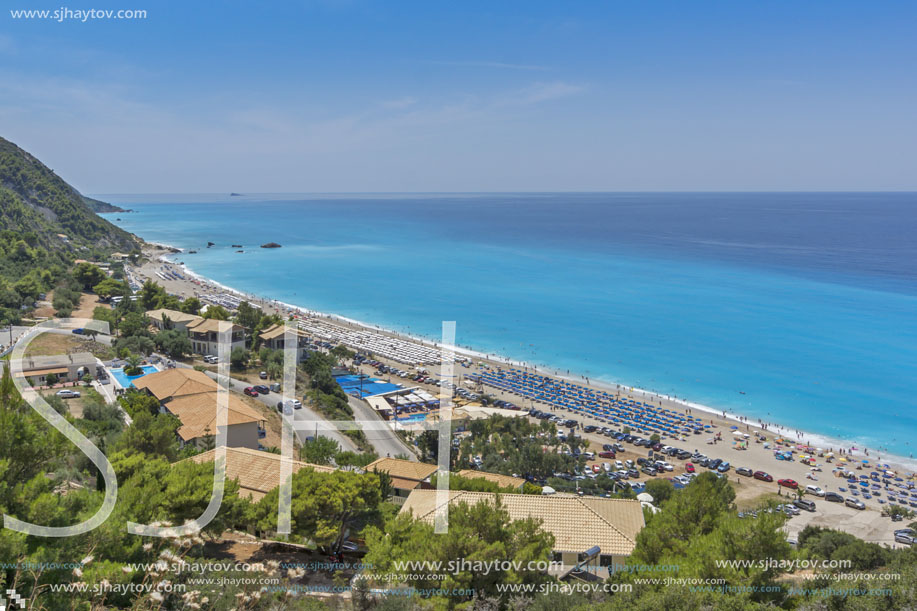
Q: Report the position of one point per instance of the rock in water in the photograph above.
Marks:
(271, 245)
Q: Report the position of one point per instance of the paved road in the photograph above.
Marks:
(384, 440)
(300, 415)
(19, 331)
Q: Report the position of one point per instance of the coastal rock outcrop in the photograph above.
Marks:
(271, 245)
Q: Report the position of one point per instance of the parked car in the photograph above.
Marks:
(606, 454)
(723, 468)
(286, 410)
(764, 477)
(906, 531)
(68, 394)
(788, 483)
(805, 504)
(649, 470)
(744, 471)
(263, 375)
(815, 490)
(855, 503)
(903, 538)
(689, 467)
(834, 497)
(261, 388)
(275, 387)
(250, 391)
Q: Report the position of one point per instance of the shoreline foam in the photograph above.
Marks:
(816, 440)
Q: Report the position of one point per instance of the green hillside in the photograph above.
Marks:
(35, 199)
(97, 206)
(45, 224)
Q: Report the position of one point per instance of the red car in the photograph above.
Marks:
(250, 391)
(788, 483)
(689, 467)
(606, 454)
(596, 468)
(764, 477)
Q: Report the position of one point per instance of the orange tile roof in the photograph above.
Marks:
(175, 383)
(198, 414)
(41, 372)
(257, 472)
(173, 315)
(505, 481)
(404, 469)
(577, 523)
(275, 331)
(210, 325)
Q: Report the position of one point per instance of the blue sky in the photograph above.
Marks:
(467, 96)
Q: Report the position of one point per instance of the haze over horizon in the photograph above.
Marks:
(357, 97)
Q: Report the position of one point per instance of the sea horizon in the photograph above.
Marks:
(805, 296)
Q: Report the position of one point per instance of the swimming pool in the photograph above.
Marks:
(413, 418)
(127, 381)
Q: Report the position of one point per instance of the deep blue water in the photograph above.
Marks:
(807, 303)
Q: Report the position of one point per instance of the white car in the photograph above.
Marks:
(619, 464)
(607, 467)
(815, 490)
(68, 394)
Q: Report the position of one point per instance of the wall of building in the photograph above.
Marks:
(243, 435)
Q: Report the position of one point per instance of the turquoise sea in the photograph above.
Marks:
(796, 308)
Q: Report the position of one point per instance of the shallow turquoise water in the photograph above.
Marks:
(806, 303)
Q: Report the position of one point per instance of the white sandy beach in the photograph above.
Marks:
(196, 285)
